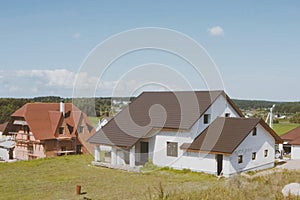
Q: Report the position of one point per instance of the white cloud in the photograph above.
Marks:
(76, 35)
(57, 77)
(216, 31)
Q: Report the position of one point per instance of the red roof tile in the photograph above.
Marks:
(43, 118)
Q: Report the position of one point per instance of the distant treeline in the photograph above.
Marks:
(100, 105)
(281, 107)
(91, 106)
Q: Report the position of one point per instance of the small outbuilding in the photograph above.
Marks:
(291, 143)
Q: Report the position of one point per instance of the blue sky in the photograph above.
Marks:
(255, 45)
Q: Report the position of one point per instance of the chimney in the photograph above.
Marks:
(62, 107)
(106, 114)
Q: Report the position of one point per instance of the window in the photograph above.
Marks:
(78, 149)
(253, 155)
(80, 129)
(61, 130)
(227, 114)
(172, 149)
(63, 148)
(206, 118)
(240, 159)
(266, 153)
(254, 132)
(30, 149)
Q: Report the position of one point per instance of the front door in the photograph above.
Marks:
(144, 152)
(11, 154)
(219, 158)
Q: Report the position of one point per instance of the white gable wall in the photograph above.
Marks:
(158, 143)
(295, 152)
(259, 143)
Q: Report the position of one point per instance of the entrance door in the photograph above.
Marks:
(219, 158)
(11, 154)
(144, 152)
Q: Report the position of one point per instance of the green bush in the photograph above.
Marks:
(295, 118)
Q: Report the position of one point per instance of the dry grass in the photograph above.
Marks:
(56, 178)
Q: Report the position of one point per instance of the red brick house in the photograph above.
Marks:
(49, 129)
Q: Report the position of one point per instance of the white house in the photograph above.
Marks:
(291, 143)
(202, 131)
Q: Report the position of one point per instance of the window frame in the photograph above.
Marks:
(253, 155)
(266, 153)
(80, 129)
(206, 118)
(172, 149)
(240, 159)
(61, 130)
(254, 132)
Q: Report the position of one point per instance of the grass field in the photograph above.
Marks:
(94, 120)
(282, 128)
(56, 178)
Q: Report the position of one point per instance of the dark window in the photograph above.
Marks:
(78, 149)
(206, 118)
(70, 128)
(266, 153)
(240, 159)
(254, 132)
(227, 114)
(30, 149)
(253, 155)
(172, 149)
(63, 148)
(80, 129)
(61, 130)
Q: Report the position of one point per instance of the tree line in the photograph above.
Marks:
(90, 106)
(281, 107)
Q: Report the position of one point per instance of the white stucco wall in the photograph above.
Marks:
(259, 143)
(295, 152)
(207, 163)
(158, 143)
(4, 154)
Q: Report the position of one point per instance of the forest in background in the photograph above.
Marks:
(98, 106)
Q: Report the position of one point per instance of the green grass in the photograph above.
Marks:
(94, 120)
(283, 127)
(56, 178)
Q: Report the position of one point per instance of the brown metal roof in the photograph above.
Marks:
(292, 136)
(224, 135)
(174, 110)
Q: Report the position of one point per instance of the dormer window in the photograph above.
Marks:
(61, 130)
(206, 118)
(227, 114)
(254, 132)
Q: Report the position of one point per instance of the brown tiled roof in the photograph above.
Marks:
(43, 118)
(3, 126)
(173, 110)
(292, 136)
(224, 135)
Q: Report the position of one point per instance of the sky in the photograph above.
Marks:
(255, 46)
